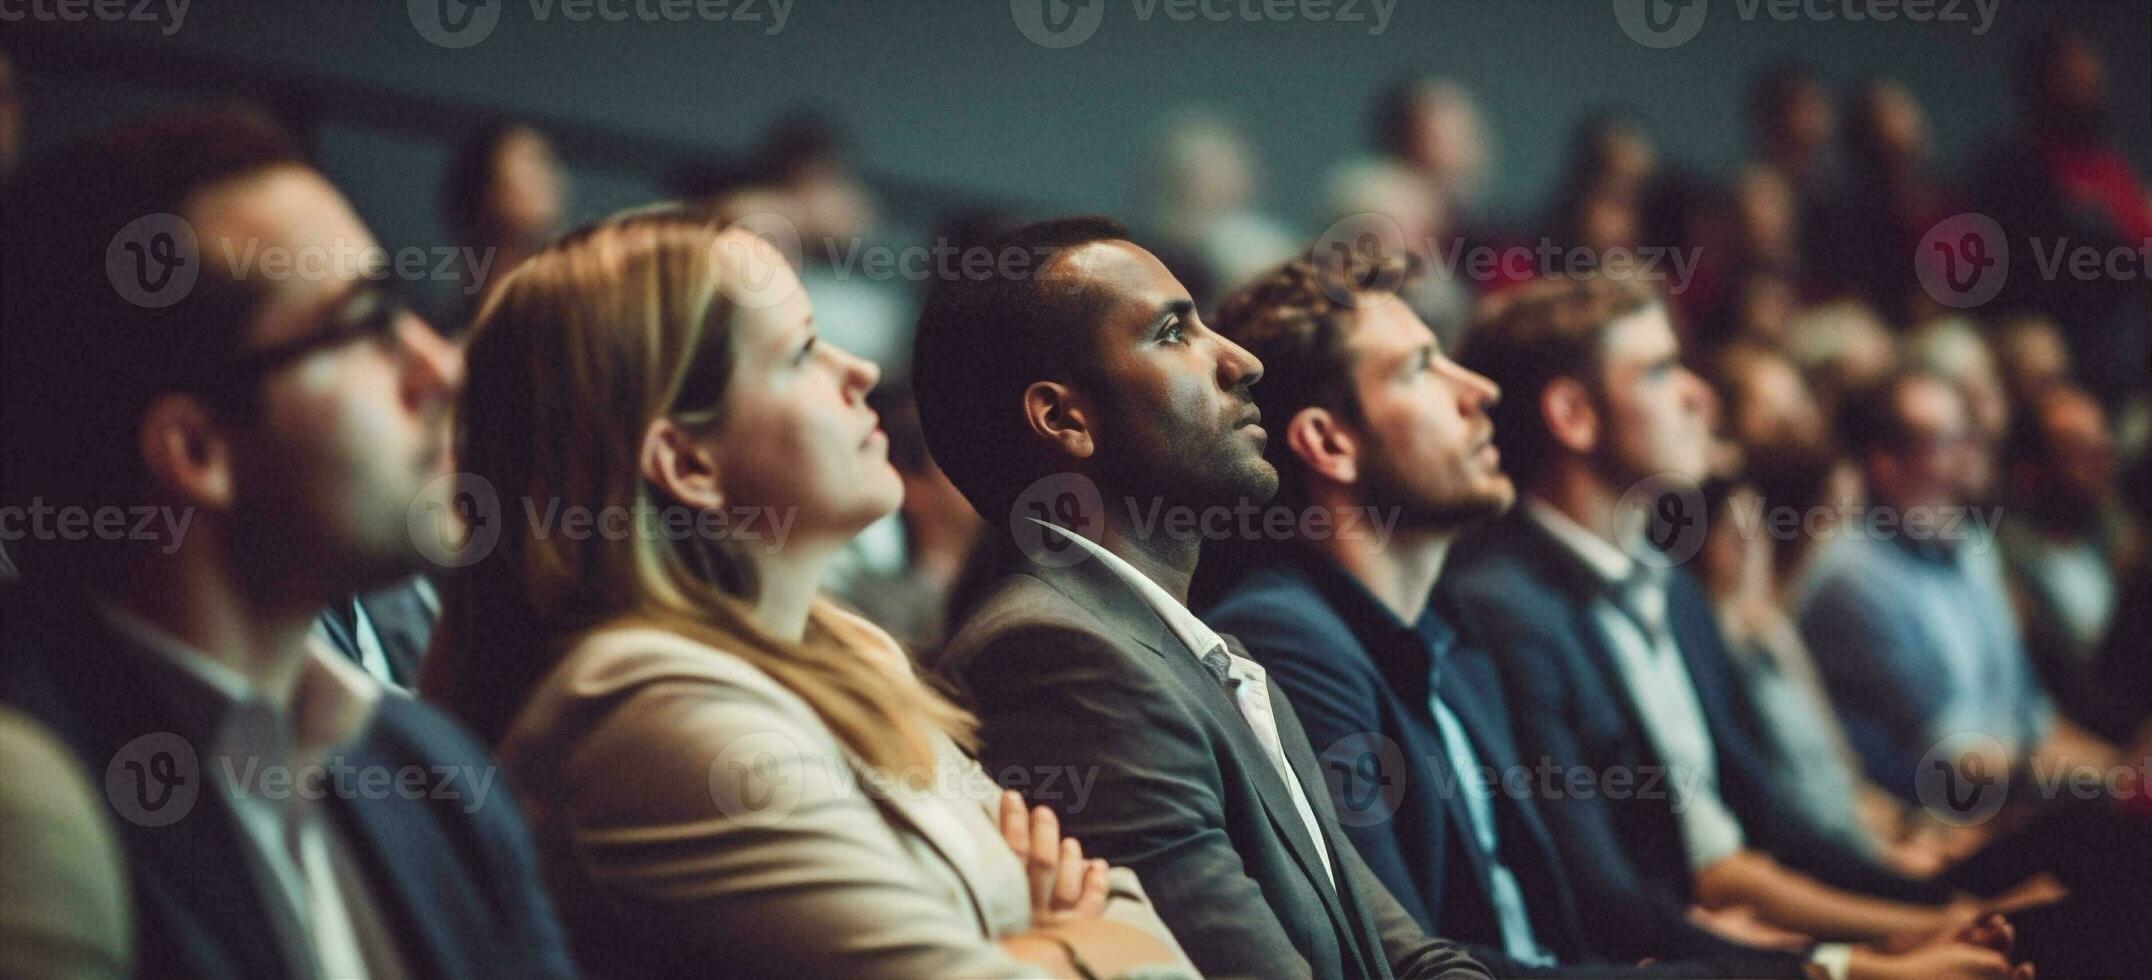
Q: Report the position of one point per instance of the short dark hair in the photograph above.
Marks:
(467, 187)
(1777, 88)
(82, 361)
(1550, 329)
(1294, 318)
(982, 340)
(1869, 419)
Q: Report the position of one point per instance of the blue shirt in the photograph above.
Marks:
(1916, 643)
(1414, 791)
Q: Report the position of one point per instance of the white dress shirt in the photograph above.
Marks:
(1249, 682)
(1659, 685)
(304, 865)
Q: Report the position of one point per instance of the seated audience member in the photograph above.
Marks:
(2062, 175)
(2030, 352)
(1377, 425)
(1907, 614)
(1093, 377)
(293, 424)
(1611, 657)
(504, 196)
(1748, 564)
(2067, 541)
(726, 773)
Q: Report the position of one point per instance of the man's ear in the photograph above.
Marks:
(681, 465)
(186, 451)
(1571, 419)
(1325, 444)
(1058, 414)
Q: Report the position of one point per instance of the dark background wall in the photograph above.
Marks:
(947, 99)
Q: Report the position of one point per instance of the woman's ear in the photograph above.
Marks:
(186, 451)
(1056, 412)
(1324, 444)
(683, 466)
(1571, 418)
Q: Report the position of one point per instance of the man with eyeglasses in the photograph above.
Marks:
(1909, 619)
(196, 786)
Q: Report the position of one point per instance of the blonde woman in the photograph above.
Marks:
(727, 774)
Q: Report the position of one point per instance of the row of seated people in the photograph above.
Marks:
(704, 766)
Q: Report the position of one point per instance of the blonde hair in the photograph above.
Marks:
(582, 348)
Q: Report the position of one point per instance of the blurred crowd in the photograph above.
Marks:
(1920, 421)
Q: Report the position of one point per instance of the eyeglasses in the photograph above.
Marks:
(369, 311)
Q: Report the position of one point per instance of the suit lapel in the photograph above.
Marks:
(1348, 908)
(396, 840)
(937, 833)
(1093, 586)
(195, 877)
(1522, 829)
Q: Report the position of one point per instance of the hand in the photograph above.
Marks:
(1064, 886)
(1941, 961)
(1963, 915)
(1739, 924)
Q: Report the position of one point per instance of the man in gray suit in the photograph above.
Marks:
(1081, 406)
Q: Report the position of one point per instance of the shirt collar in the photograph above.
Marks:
(1377, 627)
(1191, 631)
(332, 701)
(1610, 563)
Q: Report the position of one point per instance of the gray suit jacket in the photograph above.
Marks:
(1087, 696)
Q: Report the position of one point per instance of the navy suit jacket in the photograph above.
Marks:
(1360, 681)
(456, 878)
(1521, 594)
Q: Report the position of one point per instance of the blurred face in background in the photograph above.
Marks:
(796, 437)
(349, 438)
(2080, 469)
(1896, 120)
(1656, 415)
(1940, 455)
(528, 195)
(1772, 406)
(1804, 123)
(1428, 442)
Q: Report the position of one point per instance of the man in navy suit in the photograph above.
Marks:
(1390, 443)
(1611, 659)
(206, 365)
